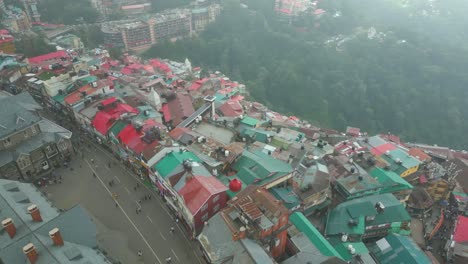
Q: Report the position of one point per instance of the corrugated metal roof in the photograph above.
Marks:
(166, 165)
(402, 249)
(304, 225)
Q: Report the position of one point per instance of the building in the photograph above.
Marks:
(401, 162)
(30, 145)
(69, 41)
(457, 248)
(177, 109)
(252, 223)
(357, 185)
(30, 6)
(136, 35)
(202, 16)
(135, 9)
(171, 25)
(189, 188)
(16, 19)
(7, 42)
(258, 168)
(392, 183)
(36, 232)
(368, 217)
(311, 182)
(396, 248)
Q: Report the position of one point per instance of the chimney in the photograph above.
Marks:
(35, 213)
(9, 226)
(56, 237)
(30, 252)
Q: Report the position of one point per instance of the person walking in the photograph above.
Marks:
(168, 260)
(140, 254)
(172, 230)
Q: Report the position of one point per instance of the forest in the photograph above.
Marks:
(381, 65)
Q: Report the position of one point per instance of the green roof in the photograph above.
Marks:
(225, 180)
(173, 159)
(396, 248)
(117, 127)
(258, 167)
(358, 185)
(342, 249)
(304, 225)
(257, 134)
(59, 98)
(357, 209)
(249, 121)
(407, 161)
(391, 181)
(286, 195)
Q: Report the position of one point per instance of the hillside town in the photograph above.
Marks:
(210, 168)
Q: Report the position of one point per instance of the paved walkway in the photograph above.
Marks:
(121, 231)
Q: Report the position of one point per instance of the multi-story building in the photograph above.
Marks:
(7, 42)
(16, 19)
(136, 35)
(202, 16)
(171, 24)
(253, 218)
(29, 145)
(30, 6)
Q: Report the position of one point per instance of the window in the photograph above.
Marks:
(7, 142)
(204, 217)
(33, 130)
(215, 208)
(216, 198)
(204, 207)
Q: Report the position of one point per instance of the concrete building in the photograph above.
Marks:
(202, 16)
(36, 232)
(171, 24)
(30, 6)
(16, 19)
(7, 42)
(30, 145)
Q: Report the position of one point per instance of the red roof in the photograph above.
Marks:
(108, 101)
(77, 96)
(177, 132)
(128, 135)
(125, 108)
(160, 65)
(197, 84)
(353, 131)
(54, 55)
(380, 150)
(461, 230)
(102, 122)
(166, 112)
(419, 154)
(231, 108)
(197, 191)
(180, 108)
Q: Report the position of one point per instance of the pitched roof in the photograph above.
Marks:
(358, 209)
(50, 56)
(129, 134)
(461, 230)
(419, 154)
(406, 161)
(76, 227)
(390, 180)
(319, 241)
(16, 113)
(173, 159)
(396, 248)
(77, 95)
(198, 190)
(231, 108)
(179, 108)
(249, 121)
(102, 122)
(382, 149)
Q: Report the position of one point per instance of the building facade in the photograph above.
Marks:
(29, 145)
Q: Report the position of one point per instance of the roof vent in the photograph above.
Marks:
(73, 254)
(20, 197)
(352, 222)
(379, 207)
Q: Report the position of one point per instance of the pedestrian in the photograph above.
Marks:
(110, 183)
(146, 197)
(139, 201)
(172, 230)
(149, 196)
(116, 204)
(94, 174)
(140, 254)
(177, 219)
(137, 211)
(92, 161)
(134, 188)
(109, 164)
(138, 185)
(169, 260)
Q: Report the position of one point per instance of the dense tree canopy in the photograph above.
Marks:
(408, 76)
(67, 11)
